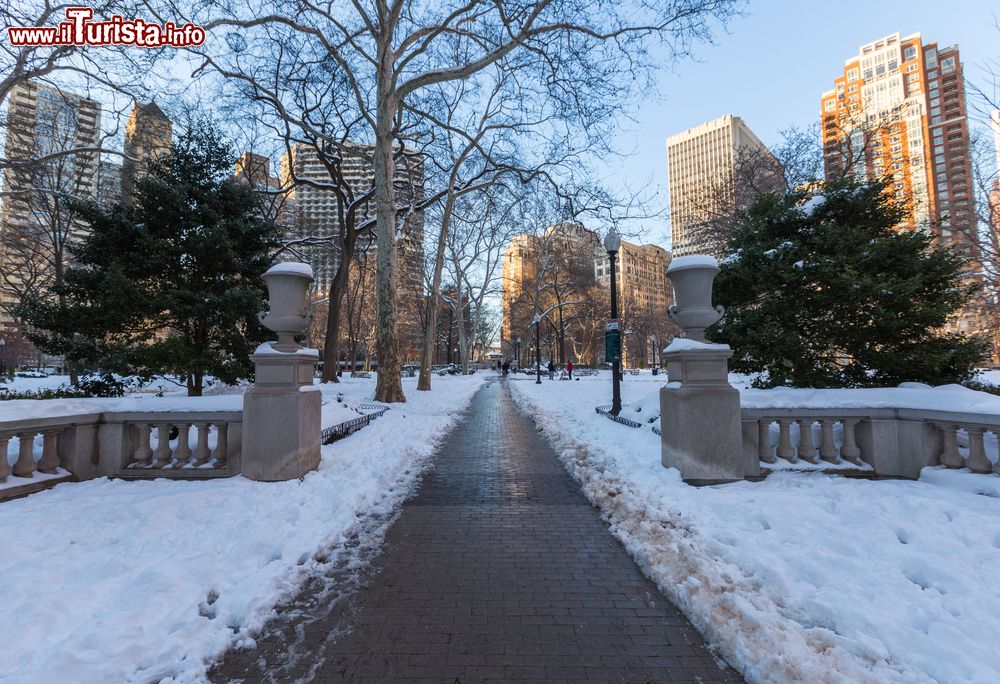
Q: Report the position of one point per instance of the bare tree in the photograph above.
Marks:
(589, 56)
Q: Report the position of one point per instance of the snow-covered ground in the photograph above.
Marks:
(803, 577)
(114, 581)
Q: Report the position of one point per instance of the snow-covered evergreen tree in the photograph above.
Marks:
(822, 289)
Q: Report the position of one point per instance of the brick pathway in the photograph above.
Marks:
(497, 569)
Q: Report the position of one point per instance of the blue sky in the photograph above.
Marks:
(772, 65)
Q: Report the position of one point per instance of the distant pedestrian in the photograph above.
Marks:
(552, 371)
(506, 367)
(569, 369)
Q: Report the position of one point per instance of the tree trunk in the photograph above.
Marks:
(195, 384)
(389, 388)
(331, 343)
(463, 340)
(430, 334)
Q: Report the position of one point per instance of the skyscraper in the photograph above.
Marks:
(897, 111)
(702, 168)
(48, 124)
(148, 136)
(317, 213)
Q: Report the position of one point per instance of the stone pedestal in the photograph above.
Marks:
(700, 416)
(281, 416)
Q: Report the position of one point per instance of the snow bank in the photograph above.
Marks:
(803, 577)
(114, 581)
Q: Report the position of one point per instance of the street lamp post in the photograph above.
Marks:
(612, 243)
(656, 343)
(537, 320)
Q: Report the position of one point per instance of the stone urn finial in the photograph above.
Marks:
(287, 286)
(692, 277)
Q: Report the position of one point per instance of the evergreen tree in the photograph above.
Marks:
(170, 285)
(821, 290)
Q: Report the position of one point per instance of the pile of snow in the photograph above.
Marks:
(114, 581)
(803, 577)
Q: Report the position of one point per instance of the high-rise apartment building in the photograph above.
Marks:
(533, 263)
(897, 111)
(255, 171)
(641, 274)
(44, 122)
(148, 136)
(702, 169)
(316, 212)
(109, 183)
(571, 258)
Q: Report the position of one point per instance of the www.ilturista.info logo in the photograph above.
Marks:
(79, 29)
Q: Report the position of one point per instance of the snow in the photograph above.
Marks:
(803, 577)
(266, 349)
(692, 261)
(906, 396)
(36, 477)
(22, 409)
(291, 267)
(810, 206)
(964, 480)
(145, 581)
(685, 344)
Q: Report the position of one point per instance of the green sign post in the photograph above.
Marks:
(612, 346)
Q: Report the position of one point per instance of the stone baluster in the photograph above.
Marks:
(807, 450)
(785, 449)
(850, 451)
(222, 445)
(25, 464)
(201, 451)
(183, 451)
(764, 452)
(950, 456)
(827, 447)
(49, 462)
(4, 464)
(977, 461)
(162, 454)
(143, 456)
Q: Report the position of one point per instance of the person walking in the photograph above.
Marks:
(552, 371)
(506, 367)
(569, 369)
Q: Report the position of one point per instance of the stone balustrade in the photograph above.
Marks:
(891, 442)
(181, 445)
(136, 445)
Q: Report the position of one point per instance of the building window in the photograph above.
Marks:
(948, 65)
(910, 53)
(930, 58)
(852, 75)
